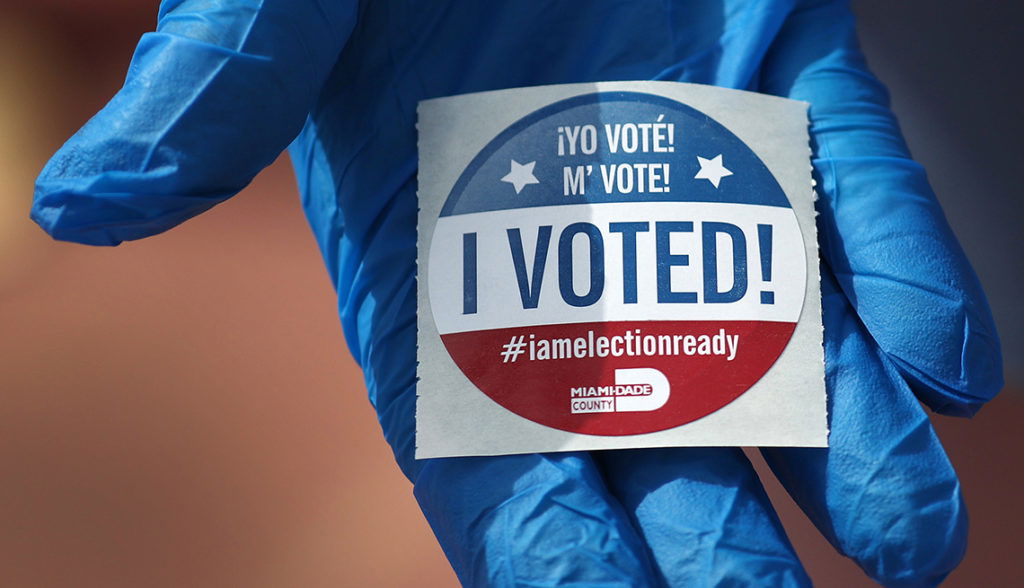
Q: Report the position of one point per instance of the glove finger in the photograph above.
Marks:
(531, 520)
(704, 515)
(882, 230)
(883, 493)
(210, 98)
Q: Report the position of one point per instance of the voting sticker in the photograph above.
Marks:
(612, 265)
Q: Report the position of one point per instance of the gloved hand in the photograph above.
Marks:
(222, 87)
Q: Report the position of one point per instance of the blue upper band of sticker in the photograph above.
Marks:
(534, 141)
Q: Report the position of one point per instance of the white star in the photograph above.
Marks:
(711, 170)
(521, 175)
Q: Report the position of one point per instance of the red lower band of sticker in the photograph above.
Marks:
(619, 378)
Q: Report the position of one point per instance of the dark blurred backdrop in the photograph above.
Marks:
(182, 411)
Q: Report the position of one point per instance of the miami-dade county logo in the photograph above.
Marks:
(616, 263)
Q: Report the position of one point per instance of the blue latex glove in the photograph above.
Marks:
(222, 87)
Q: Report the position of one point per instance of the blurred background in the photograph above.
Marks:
(182, 411)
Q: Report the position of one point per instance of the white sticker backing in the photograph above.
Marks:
(616, 265)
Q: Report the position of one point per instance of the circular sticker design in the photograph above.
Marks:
(616, 263)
